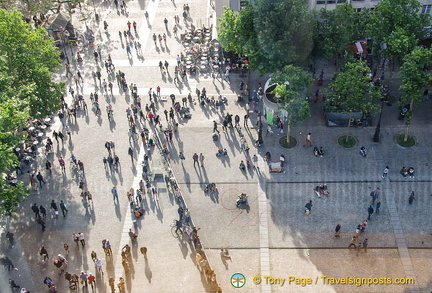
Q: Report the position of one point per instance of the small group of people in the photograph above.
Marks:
(318, 152)
(407, 172)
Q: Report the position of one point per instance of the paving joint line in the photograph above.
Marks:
(397, 226)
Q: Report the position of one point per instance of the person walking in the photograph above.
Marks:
(114, 193)
(40, 178)
(81, 238)
(377, 208)
(35, 210)
(84, 278)
(370, 212)
(385, 172)
(353, 242)
(63, 208)
(195, 159)
(42, 211)
(201, 159)
(358, 248)
(374, 194)
(44, 253)
(42, 223)
(130, 152)
(308, 140)
(92, 280)
(54, 207)
(13, 285)
(215, 127)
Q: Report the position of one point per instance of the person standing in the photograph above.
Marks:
(144, 252)
(195, 159)
(63, 208)
(337, 230)
(385, 172)
(201, 159)
(308, 140)
(365, 244)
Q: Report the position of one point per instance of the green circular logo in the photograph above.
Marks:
(238, 280)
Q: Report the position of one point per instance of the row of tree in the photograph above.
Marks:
(28, 58)
(277, 35)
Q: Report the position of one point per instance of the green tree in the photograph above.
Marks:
(284, 30)
(291, 83)
(398, 24)
(228, 34)
(351, 91)
(27, 61)
(296, 106)
(30, 58)
(337, 29)
(415, 78)
(271, 34)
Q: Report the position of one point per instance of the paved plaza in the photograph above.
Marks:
(274, 238)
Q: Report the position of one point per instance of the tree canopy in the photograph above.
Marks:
(291, 83)
(352, 90)
(337, 29)
(415, 77)
(398, 24)
(27, 60)
(271, 34)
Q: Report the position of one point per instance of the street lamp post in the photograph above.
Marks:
(378, 127)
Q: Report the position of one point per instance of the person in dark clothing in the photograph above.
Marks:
(54, 208)
(13, 285)
(63, 208)
(39, 177)
(337, 230)
(35, 210)
(42, 223)
(370, 211)
(42, 211)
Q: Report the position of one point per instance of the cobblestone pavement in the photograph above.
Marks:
(274, 237)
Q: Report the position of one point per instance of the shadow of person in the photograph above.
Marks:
(148, 272)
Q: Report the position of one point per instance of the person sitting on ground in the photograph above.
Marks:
(411, 172)
(267, 157)
(242, 166)
(321, 152)
(404, 172)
